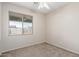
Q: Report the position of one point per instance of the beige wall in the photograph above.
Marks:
(0, 28)
(19, 41)
(63, 27)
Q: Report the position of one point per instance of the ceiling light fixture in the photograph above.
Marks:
(41, 5)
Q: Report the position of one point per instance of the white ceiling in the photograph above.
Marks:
(30, 5)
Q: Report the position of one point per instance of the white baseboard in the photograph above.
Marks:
(34, 43)
(72, 51)
(27, 45)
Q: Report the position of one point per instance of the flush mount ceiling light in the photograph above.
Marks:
(41, 5)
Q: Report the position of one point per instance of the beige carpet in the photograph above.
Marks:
(40, 50)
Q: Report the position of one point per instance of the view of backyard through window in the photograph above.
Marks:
(19, 24)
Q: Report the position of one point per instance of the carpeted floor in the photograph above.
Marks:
(39, 50)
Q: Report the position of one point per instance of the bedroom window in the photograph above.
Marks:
(20, 24)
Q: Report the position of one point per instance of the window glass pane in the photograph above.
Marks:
(15, 24)
(19, 24)
(27, 25)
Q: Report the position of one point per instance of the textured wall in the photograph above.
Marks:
(0, 21)
(19, 41)
(63, 27)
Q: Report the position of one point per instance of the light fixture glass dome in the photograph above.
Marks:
(41, 5)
